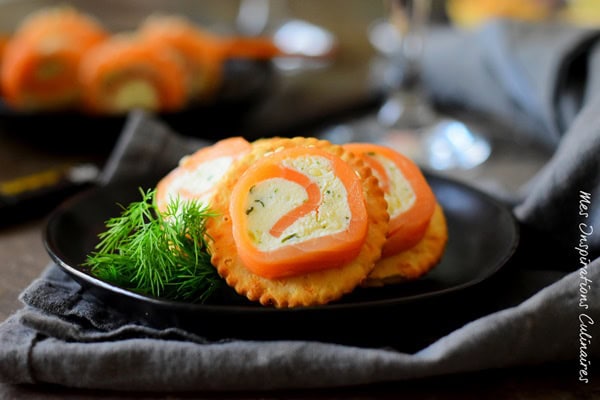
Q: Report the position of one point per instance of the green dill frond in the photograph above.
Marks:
(159, 254)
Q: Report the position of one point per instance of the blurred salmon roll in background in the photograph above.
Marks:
(202, 52)
(126, 72)
(255, 48)
(199, 52)
(41, 60)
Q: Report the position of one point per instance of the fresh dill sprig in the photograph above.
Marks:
(160, 254)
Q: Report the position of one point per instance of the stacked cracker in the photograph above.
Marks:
(302, 221)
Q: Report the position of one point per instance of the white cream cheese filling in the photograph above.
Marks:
(400, 196)
(271, 199)
(136, 93)
(198, 182)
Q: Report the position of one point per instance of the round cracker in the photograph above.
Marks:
(416, 261)
(309, 289)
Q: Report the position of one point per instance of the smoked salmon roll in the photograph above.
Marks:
(410, 200)
(300, 222)
(126, 72)
(40, 62)
(198, 174)
(417, 231)
(200, 52)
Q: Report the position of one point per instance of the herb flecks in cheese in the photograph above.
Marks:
(271, 199)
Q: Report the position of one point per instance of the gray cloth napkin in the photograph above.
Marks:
(65, 336)
(532, 78)
(75, 341)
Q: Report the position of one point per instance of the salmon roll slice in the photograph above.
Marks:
(127, 72)
(301, 222)
(199, 51)
(197, 174)
(40, 63)
(414, 214)
(410, 200)
(203, 52)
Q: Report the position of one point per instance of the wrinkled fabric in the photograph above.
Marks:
(534, 78)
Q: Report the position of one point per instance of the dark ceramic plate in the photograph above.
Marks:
(483, 235)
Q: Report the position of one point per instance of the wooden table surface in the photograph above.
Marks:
(302, 104)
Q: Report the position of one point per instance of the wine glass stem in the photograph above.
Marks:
(411, 18)
(407, 106)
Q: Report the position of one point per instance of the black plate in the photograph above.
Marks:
(483, 235)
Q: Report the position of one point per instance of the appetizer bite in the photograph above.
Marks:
(197, 175)
(41, 60)
(198, 50)
(417, 232)
(201, 52)
(300, 222)
(126, 72)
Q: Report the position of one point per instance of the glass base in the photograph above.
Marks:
(444, 145)
(447, 144)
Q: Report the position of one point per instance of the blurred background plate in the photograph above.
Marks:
(246, 84)
(257, 99)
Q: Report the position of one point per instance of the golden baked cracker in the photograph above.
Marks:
(416, 261)
(308, 289)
